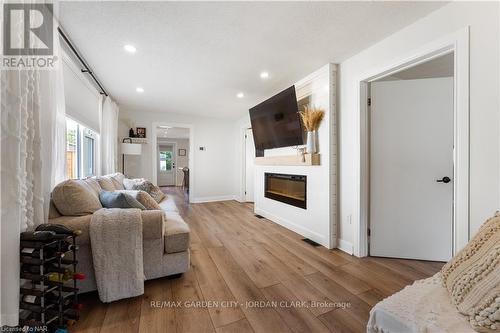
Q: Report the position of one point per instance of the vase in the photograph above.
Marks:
(311, 142)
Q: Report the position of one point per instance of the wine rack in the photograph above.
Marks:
(49, 292)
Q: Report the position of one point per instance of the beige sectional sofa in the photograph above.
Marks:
(165, 234)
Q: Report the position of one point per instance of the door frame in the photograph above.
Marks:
(244, 195)
(154, 147)
(458, 43)
(167, 143)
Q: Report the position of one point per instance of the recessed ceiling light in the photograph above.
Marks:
(240, 95)
(264, 75)
(139, 89)
(130, 48)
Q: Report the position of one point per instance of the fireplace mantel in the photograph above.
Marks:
(309, 160)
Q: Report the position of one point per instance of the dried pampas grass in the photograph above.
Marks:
(311, 117)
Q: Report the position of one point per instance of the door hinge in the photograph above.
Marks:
(369, 232)
(245, 136)
(245, 192)
(369, 102)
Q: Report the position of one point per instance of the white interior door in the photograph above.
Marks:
(411, 149)
(249, 165)
(166, 165)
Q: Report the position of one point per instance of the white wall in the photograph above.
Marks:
(483, 19)
(214, 171)
(182, 161)
(317, 222)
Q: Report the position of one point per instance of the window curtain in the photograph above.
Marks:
(30, 141)
(109, 136)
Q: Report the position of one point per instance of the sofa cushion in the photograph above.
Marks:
(176, 233)
(119, 199)
(153, 224)
(472, 278)
(117, 179)
(53, 212)
(106, 183)
(76, 197)
(168, 204)
(145, 199)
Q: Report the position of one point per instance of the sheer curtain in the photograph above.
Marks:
(31, 113)
(109, 136)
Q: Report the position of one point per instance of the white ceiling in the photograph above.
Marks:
(173, 133)
(194, 57)
(438, 67)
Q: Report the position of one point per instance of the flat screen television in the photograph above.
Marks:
(276, 122)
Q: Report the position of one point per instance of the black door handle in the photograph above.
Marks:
(445, 180)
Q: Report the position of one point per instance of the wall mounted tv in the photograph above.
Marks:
(276, 122)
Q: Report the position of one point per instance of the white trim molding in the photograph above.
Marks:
(318, 238)
(458, 43)
(345, 246)
(214, 198)
(154, 157)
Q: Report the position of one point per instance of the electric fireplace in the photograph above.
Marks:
(289, 189)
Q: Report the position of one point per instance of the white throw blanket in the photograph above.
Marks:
(116, 241)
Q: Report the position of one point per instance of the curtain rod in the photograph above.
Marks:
(87, 69)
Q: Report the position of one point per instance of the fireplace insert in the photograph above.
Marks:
(289, 189)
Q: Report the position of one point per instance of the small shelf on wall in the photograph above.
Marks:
(137, 140)
(294, 160)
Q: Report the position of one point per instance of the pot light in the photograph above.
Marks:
(264, 75)
(240, 95)
(139, 90)
(130, 48)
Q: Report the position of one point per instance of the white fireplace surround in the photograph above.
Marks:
(318, 221)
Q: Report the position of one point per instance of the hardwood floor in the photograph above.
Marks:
(251, 275)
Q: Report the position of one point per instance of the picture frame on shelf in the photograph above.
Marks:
(182, 152)
(140, 132)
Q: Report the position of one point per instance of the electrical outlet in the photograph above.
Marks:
(202, 148)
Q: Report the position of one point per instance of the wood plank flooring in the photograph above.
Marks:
(251, 275)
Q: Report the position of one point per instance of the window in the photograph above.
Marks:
(80, 150)
(165, 160)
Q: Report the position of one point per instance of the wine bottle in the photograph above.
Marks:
(38, 236)
(67, 275)
(48, 252)
(47, 268)
(58, 229)
(50, 298)
(67, 246)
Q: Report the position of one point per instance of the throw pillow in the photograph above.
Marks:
(140, 184)
(117, 199)
(472, 278)
(75, 198)
(144, 198)
(130, 183)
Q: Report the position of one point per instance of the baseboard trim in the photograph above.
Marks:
(345, 246)
(213, 199)
(318, 238)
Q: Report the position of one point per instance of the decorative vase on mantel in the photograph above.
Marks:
(311, 119)
(311, 146)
